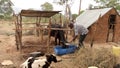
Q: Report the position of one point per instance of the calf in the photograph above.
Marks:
(31, 62)
(58, 34)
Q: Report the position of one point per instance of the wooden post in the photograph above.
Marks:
(80, 7)
(37, 25)
(67, 22)
(16, 32)
(42, 35)
(61, 20)
(40, 30)
(49, 29)
(20, 32)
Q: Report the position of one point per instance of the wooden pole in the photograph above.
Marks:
(49, 30)
(61, 20)
(39, 19)
(20, 32)
(66, 20)
(45, 29)
(40, 31)
(80, 7)
(37, 25)
(16, 32)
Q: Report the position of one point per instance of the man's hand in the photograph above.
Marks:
(71, 41)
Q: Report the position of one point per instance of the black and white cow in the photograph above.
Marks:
(32, 62)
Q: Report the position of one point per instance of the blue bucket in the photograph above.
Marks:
(59, 50)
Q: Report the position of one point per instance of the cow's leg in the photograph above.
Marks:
(56, 37)
(59, 40)
(62, 37)
(55, 40)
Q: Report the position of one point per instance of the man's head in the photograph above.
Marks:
(72, 21)
(71, 25)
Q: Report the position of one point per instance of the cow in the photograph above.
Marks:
(32, 62)
(58, 34)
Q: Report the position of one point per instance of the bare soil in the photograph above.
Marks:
(8, 49)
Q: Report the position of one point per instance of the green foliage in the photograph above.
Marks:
(67, 4)
(47, 6)
(5, 8)
(1, 16)
(74, 16)
(63, 2)
(118, 7)
(108, 3)
(81, 11)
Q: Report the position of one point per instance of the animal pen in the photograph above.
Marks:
(37, 14)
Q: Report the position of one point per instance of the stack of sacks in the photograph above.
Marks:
(116, 50)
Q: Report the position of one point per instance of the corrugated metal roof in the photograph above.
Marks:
(89, 17)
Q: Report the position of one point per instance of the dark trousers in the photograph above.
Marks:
(81, 39)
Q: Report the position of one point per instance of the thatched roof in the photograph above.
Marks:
(38, 13)
(33, 13)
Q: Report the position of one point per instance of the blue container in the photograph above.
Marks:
(59, 50)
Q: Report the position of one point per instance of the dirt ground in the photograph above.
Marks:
(8, 49)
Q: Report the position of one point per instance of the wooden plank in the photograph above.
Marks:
(44, 29)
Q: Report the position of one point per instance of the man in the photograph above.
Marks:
(78, 30)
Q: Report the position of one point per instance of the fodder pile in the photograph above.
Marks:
(102, 58)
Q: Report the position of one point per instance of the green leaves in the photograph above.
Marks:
(5, 8)
(47, 6)
(108, 3)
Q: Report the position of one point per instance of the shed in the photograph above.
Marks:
(103, 24)
(31, 13)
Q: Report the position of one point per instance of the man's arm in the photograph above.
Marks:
(74, 38)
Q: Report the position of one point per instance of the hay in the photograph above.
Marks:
(102, 58)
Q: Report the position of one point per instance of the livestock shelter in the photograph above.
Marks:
(32, 13)
(103, 24)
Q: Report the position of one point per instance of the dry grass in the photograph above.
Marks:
(102, 58)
